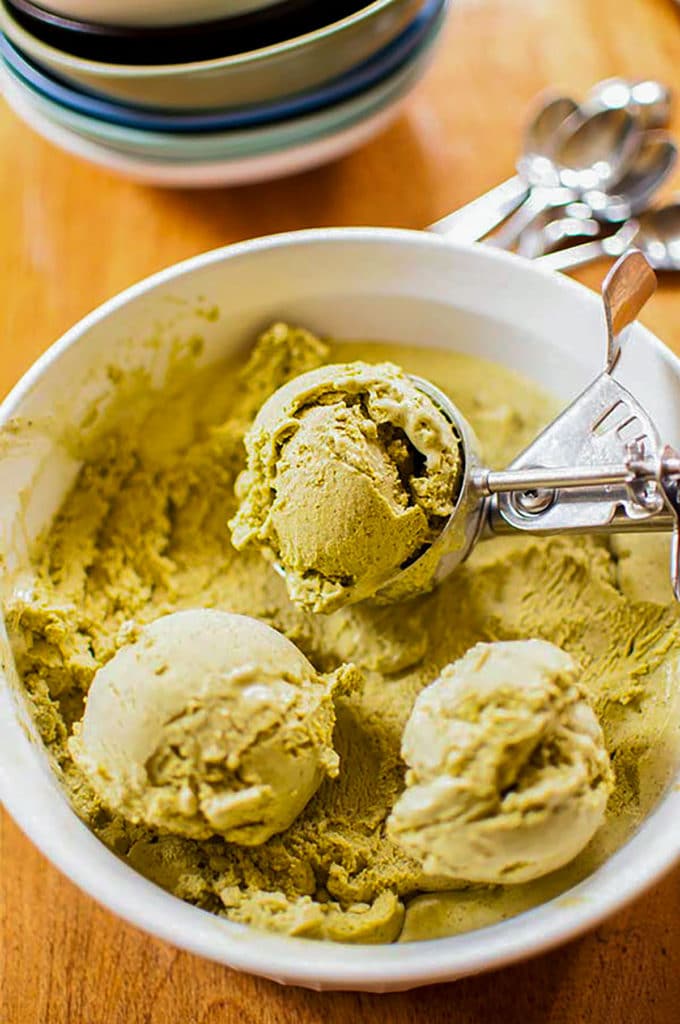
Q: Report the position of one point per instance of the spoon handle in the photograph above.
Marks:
(588, 252)
(539, 200)
(474, 220)
(575, 256)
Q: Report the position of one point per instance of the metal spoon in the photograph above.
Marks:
(651, 165)
(474, 220)
(656, 233)
(591, 153)
(648, 100)
(649, 168)
(553, 228)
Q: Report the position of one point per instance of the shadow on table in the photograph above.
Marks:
(365, 187)
(573, 984)
(624, 971)
(527, 994)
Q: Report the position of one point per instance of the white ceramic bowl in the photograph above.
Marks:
(398, 285)
(152, 12)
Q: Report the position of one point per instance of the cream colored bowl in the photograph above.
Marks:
(402, 286)
(153, 12)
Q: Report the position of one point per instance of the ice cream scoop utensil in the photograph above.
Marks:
(599, 466)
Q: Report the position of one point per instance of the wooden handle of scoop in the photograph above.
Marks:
(627, 287)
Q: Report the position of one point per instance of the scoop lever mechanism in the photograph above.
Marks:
(600, 466)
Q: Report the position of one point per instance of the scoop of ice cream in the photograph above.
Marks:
(508, 773)
(352, 473)
(209, 723)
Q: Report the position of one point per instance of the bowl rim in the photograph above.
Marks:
(636, 865)
(102, 69)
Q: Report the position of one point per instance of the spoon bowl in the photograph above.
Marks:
(554, 228)
(536, 163)
(648, 100)
(659, 236)
(592, 152)
(649, 168)
(656, 233)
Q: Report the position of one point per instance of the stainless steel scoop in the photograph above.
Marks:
(600, 467)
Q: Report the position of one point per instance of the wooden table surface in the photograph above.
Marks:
(73, 236)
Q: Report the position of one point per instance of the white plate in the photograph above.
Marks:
(200, 174)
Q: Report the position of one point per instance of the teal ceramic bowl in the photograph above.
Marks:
(246, 78)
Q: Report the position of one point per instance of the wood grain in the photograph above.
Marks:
(73, 236)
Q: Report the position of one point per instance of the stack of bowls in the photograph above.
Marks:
(212, 92)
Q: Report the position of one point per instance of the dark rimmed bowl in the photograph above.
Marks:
(171, 44)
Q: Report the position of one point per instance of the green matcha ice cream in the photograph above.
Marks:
(352, 473)
(508, 773)
(142, 535)
(208, 723)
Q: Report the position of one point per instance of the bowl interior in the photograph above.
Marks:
(387, 285)
(151, 13)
